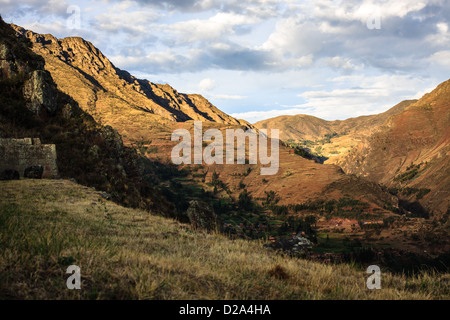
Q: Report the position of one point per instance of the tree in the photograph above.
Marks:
(245, 201)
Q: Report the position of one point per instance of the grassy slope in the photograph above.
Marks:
(45, 225)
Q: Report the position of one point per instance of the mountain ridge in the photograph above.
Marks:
(413, 151)
(330, 126)
(251, 206)
(147, 120)
(103, 89)
(405, 148)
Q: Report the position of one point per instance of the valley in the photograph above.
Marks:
(362, 191)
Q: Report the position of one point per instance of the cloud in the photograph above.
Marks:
(206, 84)
(293, 36)
(363, 10)
(260, 8)
(441, 58)
(344, 64)
(43, 7)
(227, 97)
(223, 23)
(58, 27)
(299, 34)
(363, 96)
(119, 21)
(195, 60)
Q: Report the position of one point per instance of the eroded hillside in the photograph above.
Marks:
(113, 96)
(146, 114)
(411, 153)
(31, 106)
(329, 140)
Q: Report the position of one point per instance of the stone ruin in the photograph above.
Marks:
(27, 158)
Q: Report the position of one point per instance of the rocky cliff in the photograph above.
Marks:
(31, 105)
(114, 96)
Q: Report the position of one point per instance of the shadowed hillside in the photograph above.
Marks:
(31, 106)
(129, 254)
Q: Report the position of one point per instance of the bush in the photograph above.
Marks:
(201, 216)
(245, 201)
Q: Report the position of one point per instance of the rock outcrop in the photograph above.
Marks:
(39, 91)
(74, 144)
(112, 95)
(297, 245)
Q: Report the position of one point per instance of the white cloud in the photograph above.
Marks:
(46, 7)
(344, 64)
(125, 16)
(227, 97)
(363, 10)
(362, 96)
(57, 27)
(223, 23)
(442, 27)
(441, 37)
(442, 58)
(206, 84)
(293, 37)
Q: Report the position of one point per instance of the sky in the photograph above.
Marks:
(257, 59)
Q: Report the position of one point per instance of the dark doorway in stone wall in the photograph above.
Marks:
(33, 172)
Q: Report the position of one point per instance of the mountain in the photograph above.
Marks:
(329, 139)
(113, 96)
(113, 132)
(145, 114)
(31, 106)
(411, 152)
(405, 148)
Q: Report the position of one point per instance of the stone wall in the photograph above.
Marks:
(20, 154)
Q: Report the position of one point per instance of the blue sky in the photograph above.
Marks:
(257, 59)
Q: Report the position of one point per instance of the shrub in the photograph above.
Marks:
(201, 216)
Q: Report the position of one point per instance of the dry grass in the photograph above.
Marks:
(47, 225)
